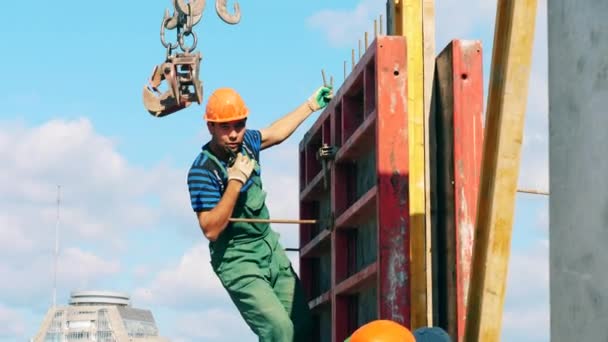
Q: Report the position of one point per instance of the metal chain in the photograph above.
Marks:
(184, 27)
(168, 46)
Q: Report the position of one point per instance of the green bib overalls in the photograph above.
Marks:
(255, 270)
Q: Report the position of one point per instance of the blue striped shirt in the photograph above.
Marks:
(205, 180)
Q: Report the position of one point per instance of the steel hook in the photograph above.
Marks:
(222, 12)
(170, 21)
(196, 7)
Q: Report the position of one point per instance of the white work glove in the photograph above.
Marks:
(241, 169)
(320, 98)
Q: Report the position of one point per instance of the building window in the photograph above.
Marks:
(52, 337)
(54, 332)
(77, 335)
(104, 330)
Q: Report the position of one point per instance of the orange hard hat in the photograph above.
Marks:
(382, 331)
(224, 105)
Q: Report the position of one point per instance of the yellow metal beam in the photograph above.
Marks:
(507, 98)
(408, 22)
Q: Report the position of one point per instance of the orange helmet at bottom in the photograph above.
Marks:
(225, 105)
(382, 331)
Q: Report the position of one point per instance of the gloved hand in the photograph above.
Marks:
(241, 169)
(320, 98)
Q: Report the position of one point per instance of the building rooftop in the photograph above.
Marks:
(102, 316)
(99, 298)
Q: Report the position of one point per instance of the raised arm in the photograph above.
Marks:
(281, 129)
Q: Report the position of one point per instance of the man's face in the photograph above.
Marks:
(228, 134)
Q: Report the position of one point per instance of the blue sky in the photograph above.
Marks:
(73, 115)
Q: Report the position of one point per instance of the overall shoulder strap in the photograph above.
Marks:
(218, 171)
(250, 154)
(249, 151)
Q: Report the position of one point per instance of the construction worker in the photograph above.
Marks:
(224, 182)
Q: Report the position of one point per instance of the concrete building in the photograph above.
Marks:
(101, 316)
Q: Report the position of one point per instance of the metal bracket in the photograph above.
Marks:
(325, 154)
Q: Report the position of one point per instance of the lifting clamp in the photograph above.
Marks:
(180, 72)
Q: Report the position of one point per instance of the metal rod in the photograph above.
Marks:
(56, 254)
(353, 59)
(273, 221)
(366, 40)
(533, 192)
(359, 48)
(324, 79)
(381, 31)
(375, 28)
(288, 249)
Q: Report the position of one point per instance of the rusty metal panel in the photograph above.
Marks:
(365, 200)
(315, 240)
(459, 133)
(394, 282)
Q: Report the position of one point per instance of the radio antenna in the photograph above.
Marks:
(56, 255)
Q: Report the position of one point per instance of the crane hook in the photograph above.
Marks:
(222, 12)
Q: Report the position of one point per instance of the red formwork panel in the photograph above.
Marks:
(459, 132)
(354, 264)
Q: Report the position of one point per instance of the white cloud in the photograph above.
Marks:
(12, 322)
(526, 312)
(454, 20)
(529, 271)
(529, 324)
(462, 20)
(99, 193)
(190, 283)
(212, 325)
(102, 194)
(344, 27)
(103, 197)
(32, 276)
(78, 266)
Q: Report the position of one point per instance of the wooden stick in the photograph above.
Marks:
(366, 43)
